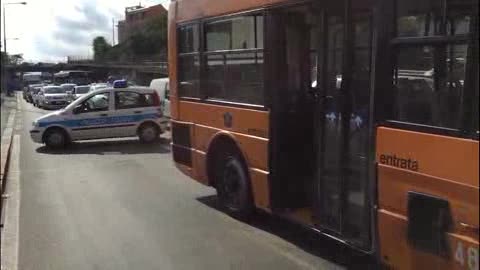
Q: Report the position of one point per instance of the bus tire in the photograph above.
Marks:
(55, 138)
(233, 187)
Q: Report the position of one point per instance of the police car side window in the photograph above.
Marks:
(129, 100)
(96, 103)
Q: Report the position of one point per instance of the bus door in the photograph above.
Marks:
(343, 51)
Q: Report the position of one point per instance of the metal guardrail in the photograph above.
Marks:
(122, 60)
(139, 65)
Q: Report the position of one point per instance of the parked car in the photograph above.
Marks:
(52, 97)
(97, 86)
(68, 87)
(24, 93)
(162, 87)
(35, 95)
(29, 91)
(121, 111)
(79, 91)
(30, 78)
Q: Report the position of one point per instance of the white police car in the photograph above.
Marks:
(120, 111)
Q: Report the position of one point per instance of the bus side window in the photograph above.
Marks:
(431, 77)
(430, 83)
(189, 61)
(234, 63)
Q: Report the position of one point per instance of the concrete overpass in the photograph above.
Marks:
(140, 72)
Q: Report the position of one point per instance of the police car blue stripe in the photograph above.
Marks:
(100, 121)
(100, 127)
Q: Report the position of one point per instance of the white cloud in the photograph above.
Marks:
(50, 30)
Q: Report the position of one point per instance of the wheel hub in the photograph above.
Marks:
(231, 183)
(148, 133)
(55, 139)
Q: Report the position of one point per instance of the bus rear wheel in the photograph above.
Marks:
(233, 187)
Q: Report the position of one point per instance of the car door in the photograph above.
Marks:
(131, 108)
(91, 119)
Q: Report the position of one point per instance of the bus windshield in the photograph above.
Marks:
(72, 77)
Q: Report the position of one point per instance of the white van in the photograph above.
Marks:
(163, 90)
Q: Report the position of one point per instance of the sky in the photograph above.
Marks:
(50, 30)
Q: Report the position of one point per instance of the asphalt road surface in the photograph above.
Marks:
(119, 204)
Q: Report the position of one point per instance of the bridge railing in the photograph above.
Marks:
(131, 60)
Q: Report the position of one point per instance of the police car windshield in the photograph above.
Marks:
(100, 86)
(54, 90)
(77, 101)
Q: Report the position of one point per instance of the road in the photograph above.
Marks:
(118, 204)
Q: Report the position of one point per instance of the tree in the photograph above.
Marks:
(16, 59)
(5, 58)
(152, 39)
(100, 48)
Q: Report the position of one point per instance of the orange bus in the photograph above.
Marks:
(356, 118)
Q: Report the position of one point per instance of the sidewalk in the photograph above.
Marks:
(7, 104)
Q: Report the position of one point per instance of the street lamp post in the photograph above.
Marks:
(5, 32)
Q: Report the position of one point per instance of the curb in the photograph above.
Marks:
(10, 232)
(6, 144)
(6, 147)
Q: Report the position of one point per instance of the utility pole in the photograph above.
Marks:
(4, 32)
(113, 31)
(5, 58)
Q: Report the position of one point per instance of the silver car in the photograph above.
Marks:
(79, 91)
(53, 97)
(68, 86)
(97, 86)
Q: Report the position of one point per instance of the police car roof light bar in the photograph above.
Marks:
(120, 84)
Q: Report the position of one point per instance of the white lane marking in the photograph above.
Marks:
(19, 124)
(10, 237)
(7, 132)
(19, 99)
(11, 119)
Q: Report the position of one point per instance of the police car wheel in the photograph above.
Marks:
(148, 133)
(55, 138)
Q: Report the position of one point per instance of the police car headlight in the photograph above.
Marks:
(35, 123)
